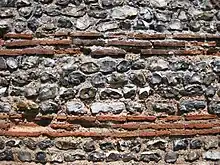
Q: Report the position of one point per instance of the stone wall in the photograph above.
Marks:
(109, 82)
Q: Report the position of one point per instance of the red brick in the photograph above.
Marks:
(162, 126)
(171, 118)
(6, 52)
(205, 44)
(188, 36)
(125, 134)
(81, 118)
(61, 34)
(68, 51)
(141, 118)
(115, 35)
(36, 51)
(86, 34)
(199, 125)
(200, 117)
(18, 36)
(146, 36)
(208, 131)
(20, 134)
(66, 126)
(128, 126)
(147, 134)
(163, 133)
(23, 43)
(169, 43)
(84, 42)
(111, 118)
(175, 132)
(108, 51)
(133, 43)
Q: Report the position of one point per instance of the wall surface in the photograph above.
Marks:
(110, 82)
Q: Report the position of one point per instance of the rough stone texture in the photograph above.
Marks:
(109, 82)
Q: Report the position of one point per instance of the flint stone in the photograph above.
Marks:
(159, 65)
(6, 155)
(107, 65)
(24, 156)
(157, 144)
(96, 156)
(212, 155)
(187, 106)
(192, 156)
(41, 157)
(110, 93)
(114, 107)
(162, 107)
(48, 91)
(129, 91)
(65, 145)
(98, 80)
(83, 23)
(134, 107)
(107, 26)
(75, 107)
(48, 107)
(214, 108)
(171, 157)
(123, 12)
(3, 65)
(138, 78)
(144, 92)
(111, 3)
(75, 155)
(180, 144)
(150, 156)
(12, 63)
(196, 144)
(89, 67)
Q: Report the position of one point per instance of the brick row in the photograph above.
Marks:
(112, 134)
(104, 118)
(24, 43)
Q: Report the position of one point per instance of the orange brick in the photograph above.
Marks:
(18, 36)
(200, 117)
(133, 43)
(141, 118)
(146, 36)
(108, 51)
(86, 34)
(111, 118)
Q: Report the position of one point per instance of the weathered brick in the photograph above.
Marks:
(111, 118)
(169, 43)
(107, 51)
(141, 118)
(128, 126)
(18, 36)
(36, 51)
(188, 36)
(170, 52)
(86, 34)
(84, 42)
(24, 43)
(205, 44)
(147, 134)
(133, 43)
(6, 52)
(171, 118)
(200, 117)
(146, 36)
(2, 42)
(199, 125)
(68, 51)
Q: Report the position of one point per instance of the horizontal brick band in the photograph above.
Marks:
(114, 134)
(120, 118)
